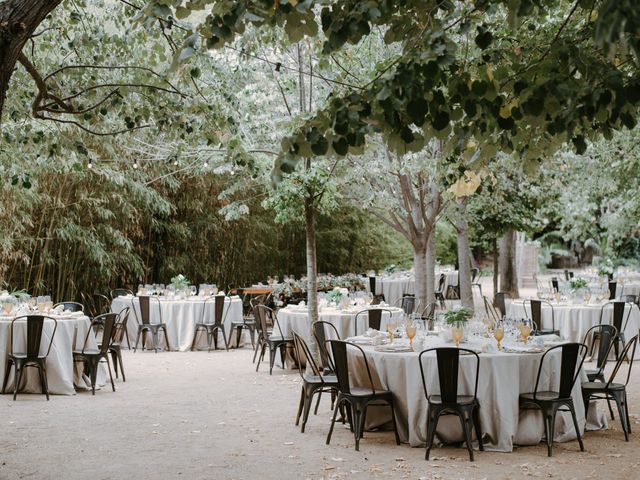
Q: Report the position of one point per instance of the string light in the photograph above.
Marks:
(135, 164)
(206, 164)
(90, 165)
(175, 163)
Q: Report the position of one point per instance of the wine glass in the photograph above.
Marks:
(587, 296)
(391, 328)
(498, 332)
(525, 330)
(457, 332)
(411, 330)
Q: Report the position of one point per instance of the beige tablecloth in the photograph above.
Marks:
(296, 319)
(573, 321)
(503, 376)
(62, 374)
(181, 317)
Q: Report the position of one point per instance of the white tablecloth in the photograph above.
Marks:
(296, 319)
(628, 288)
(502, 377)
(393, 288)
(62, 374)
(181, 317)
(573, 321)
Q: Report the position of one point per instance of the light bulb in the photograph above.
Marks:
(206, 164)
(135, 165)
(90, 165)
(175, 163)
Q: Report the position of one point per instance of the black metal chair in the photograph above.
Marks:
(629, 298)
(605, 336)
(91, 357)
(212, 327)
(408, 303)
(618, 320)
(428, 315)
(535, 314)
(87, 302)
(70, 306)
(318, 382)
(551, 401)
(119, 333)
(439, 292)
(30, 356)
(373, 316)
(453, 291)
(372, 285)
(612, 290)
(356, 398)
(499, 301)
(491, 311)
(101, 303)
(555, 284)
(248, 321)
(613, 391)
(145, 325)
(319, 330)
(259, 300)
(449, 402)
(475, 280)
(120, 292)
(274, 340)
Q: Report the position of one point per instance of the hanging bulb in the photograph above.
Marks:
(232, 172)
(135, 164)
(206, 164)
(175, 163)
(90, 164)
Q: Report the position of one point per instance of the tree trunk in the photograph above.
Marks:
(464, 264)
(18, 21)
(496, 266)
(431, 267)
(508, 267)
(421, 273)
(312, 271)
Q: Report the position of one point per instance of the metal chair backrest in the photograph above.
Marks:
(571, 362)
(106, 322)
(145, 309)
(70, 306)
(101, 303)
(218, 310)
(606, 334)
(429, 311)
(618, 319)
(303, 352)
(629, 298)
(120, 328)
(120, 292)
(555, 285)
(492, 312)
(448, 359)
(374, 316)
(87, 301)
(499, 302)
(372, 285)
(408, 303)
(264, 315)
(341, 364)
(441, 282)
(630, 346)
(35, 327)
(320, 335)
(475, 273)
(612, 290)
(536, 311)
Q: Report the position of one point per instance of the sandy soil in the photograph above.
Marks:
(211, 416)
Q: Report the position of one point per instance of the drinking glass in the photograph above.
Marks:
(498, 332)
(525, 330)
(192, 290)
(457, 332)
(587, 296)
(411, 330)
(391, 328)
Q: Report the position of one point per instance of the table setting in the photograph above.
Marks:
(509, 361)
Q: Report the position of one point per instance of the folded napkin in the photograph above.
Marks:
(522, 349)
(393, 347)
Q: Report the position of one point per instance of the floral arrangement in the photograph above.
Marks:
(605, 267)
(179, 282)
(13, 296)
(577, 283)
(335, 295)
(283, 289)
(457, 314)
(392, 269)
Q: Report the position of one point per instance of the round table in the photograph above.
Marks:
(296, 318)
(393, 288)
(181, 316)
(573, 320)
(62, 373)
(502, 377)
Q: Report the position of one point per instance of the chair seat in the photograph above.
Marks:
(330, 380)
(536, 333)
(243, 322)
(602, 386)
(460, 399)
(547, 396)
(23, 356)
(366, 392)
(278, 338)
(152, 326)
(594, 375)
(87, 352)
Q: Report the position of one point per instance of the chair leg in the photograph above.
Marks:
(575, 425)
(209, 340)
(551, 420)
(465, 421)
(195, 337)
(252, 333)
(393, 417)
(121, 365)
(300, 405)
(478, 427)
(282, 347)
(357, 417)
(308, 400)
(623, 418)
(333, 419)
(224, 338)
(166, 338)
(154, 337)
(272, 358)
(113, 386)
(44, 378)
(315, 411)
(114, 359)
(261, 356)
(626, 411)
(7, 372)
(17, 379)
(431, 431)
(255, 350)
(40, 376)
(135, 347)
(92, 377)
(610, 408)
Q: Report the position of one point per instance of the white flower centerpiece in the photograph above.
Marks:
(181, 284)
(339, 296)
(457, 317)
(579, 288)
